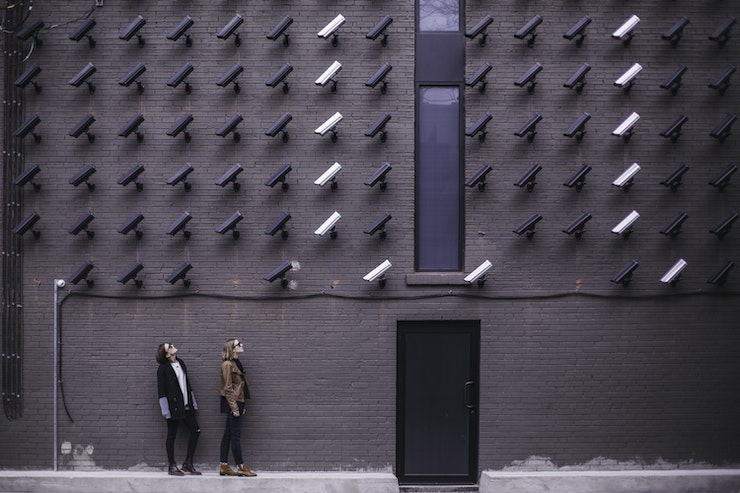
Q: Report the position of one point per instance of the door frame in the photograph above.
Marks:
(446, 326)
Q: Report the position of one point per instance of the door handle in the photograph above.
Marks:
(469, 396)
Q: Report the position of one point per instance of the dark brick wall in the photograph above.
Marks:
(572, 366)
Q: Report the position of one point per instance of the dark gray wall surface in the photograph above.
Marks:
(573, 367)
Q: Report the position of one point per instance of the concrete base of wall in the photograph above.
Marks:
(674, 481)
(146, 482)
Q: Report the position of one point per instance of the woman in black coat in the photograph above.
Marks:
(177, 403)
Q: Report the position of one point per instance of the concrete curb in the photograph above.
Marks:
(638, 481)
(145, 482)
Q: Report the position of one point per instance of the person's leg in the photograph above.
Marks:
(236, 437)
(224, 468)
(172, 425)
(194, 429)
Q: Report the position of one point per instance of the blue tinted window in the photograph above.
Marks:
(438, 181)
(439, 15)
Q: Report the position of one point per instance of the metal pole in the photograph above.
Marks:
(57, 283)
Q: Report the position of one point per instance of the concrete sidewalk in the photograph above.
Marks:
(147, 482)
(621, 481)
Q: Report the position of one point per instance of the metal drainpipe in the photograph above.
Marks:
(55, 337)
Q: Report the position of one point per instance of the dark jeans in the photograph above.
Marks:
(233, 436)
(172, 425)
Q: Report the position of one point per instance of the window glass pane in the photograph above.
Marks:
(438, 180)
(439, 15)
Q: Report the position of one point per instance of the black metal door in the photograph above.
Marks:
(437, 402)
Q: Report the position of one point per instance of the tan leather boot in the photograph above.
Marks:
(243, 470)
(226, 470)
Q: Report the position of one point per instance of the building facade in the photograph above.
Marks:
(554, 199)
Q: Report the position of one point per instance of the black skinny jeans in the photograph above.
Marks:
(172, 425)
(233, 436)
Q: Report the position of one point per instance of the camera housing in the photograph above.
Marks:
(528, 179)
(181, 175)
(578, 225)
(130, 274)
(331, 29)
(579, 178)
(82, 224)
(27, 78)
(479, 127)
(27, 225)
(578, 79)
(133, 76)
(529, 77)
(230, 177)
(379, 226)
(132, 224)
(279, 273)
(279, 225)
(133, 30)
(180, 225)
(132, 126)
(28, 127)
(230, 29)
(82, 272)
(380, 76)
(279, 126)
(379, 127)
(83, 126)
(27, 176)
(180, 76)
(279, 177)
(379, 29)
(230, 76)
(230, 225)
(624, 227)
(378, 273)
(181, 273)
(132, 175)
(478, 275)
(230, 126)
(529, 128)
(722, 131)
(83, 176)
(577, 128)
(279, 30)
(329, 225)
(673, 83)
(528, 30)
(624, 276)
(479, 29)
(82, 76)
(527, 228)
(379, 176)
(280, 76)
(83, 30)
(181, 126)
(181, 29)
(578, 30)
(479, 178)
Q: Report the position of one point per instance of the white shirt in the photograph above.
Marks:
(182, 380)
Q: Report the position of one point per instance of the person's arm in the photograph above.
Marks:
(226, 375)
(164, 405)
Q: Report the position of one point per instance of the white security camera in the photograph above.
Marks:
(478, 273)
(61, 283)
(329, 74)
(328, 225)
(674, 273)
(330, 125)
(625, 225)
(625, 179)
(378, 272)
(331, 28)
(328, 175)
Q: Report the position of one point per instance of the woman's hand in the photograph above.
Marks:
(235, 413)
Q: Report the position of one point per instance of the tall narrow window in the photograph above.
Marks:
(438, 179)
(439, 15)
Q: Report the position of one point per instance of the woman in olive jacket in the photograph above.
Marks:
(234, 391)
